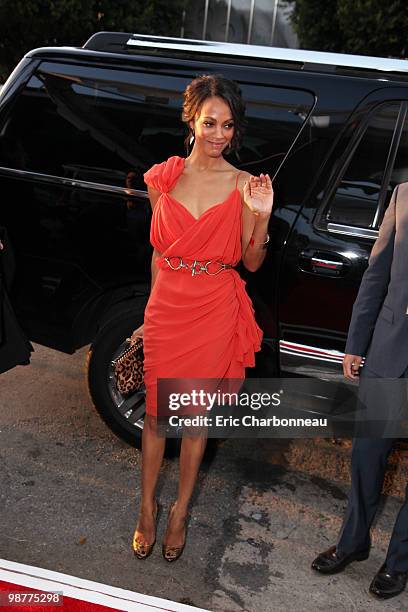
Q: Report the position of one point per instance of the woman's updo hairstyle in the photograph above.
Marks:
(208, 86)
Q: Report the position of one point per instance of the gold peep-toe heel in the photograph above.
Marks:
(172, 553)
(141, 549)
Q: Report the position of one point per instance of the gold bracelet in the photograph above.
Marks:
(252, 243)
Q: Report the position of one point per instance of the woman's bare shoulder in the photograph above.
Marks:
(242, 177)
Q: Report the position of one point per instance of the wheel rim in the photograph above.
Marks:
(131, 407)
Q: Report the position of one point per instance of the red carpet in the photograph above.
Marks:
(78, 594)
(69, 604)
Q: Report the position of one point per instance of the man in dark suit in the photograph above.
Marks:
(379, 330)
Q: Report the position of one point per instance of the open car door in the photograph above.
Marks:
(15, 348)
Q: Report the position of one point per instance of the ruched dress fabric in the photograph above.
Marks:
(196, 326)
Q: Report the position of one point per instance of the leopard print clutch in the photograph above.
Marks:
(128, 369)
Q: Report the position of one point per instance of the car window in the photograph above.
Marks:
(275, 116)
(105, 131)
(109, 126)
(399, 173)
(356, 196)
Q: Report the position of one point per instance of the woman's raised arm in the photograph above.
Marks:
(256, 212)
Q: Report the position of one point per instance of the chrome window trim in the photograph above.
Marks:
(376, 64)
(60, 180)
(350, 230)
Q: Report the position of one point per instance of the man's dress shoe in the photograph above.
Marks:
(330, 561)
(387, 583)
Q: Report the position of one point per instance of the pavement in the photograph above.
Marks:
(69, 493)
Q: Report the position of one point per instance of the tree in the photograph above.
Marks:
(316, 24)
(367, 27)
(26, 24)
(374, 27)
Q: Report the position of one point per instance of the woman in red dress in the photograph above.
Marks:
(199, 321)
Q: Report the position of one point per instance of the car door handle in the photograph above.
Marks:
(324, 263)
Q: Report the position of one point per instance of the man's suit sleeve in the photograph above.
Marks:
(374, 285)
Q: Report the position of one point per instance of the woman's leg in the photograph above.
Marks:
(191, 454)
(152, 457)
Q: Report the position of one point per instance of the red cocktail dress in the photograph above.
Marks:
(197, 326)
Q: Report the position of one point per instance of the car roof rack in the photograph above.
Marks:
(122, 42)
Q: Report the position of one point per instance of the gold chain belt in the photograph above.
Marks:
(196, 267)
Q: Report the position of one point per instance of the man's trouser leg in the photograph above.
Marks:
(384, 402)
(397, 554)
(368, 464)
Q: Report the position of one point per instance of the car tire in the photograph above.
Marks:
(124, 416)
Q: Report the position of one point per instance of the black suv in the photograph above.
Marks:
(79, 126)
